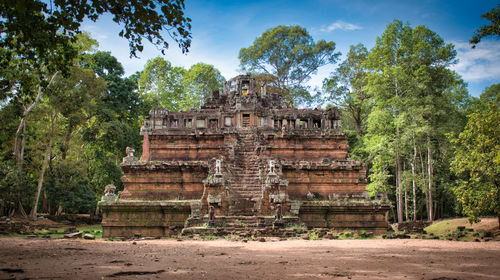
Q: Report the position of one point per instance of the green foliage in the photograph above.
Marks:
(68, 186)
(175, 88)
(313, 235)
(94, 113)
(477, 161)
(161, 85)
(290, 54)
(15, 185)
(42, 33)
(345, 88)
(488, 30)
(411, 100)
(200, 81)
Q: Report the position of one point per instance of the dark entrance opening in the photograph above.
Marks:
(246, 120)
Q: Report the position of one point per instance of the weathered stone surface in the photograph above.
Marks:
(88, 236)
(73, 235)
(242, 154)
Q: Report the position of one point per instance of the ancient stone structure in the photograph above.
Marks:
(243, 154)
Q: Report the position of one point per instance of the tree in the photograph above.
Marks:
(290, 54)
(114, 123)
(68, 98)
(488, 30)
(174, 88)
(477, 161)
(200, 80)
(345, 88)
(408, 83)
(43, 34)
(161, 85)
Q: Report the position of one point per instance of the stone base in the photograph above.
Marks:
(158, 219)
(369, 216)
(144, 218)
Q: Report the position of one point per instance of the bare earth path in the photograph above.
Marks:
(221, 259)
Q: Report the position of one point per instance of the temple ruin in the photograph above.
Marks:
(243, 155)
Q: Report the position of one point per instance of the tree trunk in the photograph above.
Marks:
(413, 180)
(20, 209)
(67, 138)
(20, 139)
(429, 170)
(48, 152)
(405, 195)
(45, 207)
(426, 193)
(398, 187)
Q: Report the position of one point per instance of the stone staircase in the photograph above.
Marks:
(244, 226)
(246, 186)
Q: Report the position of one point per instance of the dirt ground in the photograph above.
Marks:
(22, 258)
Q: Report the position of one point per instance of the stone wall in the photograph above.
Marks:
(157, 219)
(163, 180)
(307, 147)
(185, 147)
(369, 216)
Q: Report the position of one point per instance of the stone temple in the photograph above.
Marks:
(243, 156)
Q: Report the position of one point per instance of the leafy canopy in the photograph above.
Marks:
(175, 88)
(42, 33)
(345, 87)
(477, 160)
(289, 53)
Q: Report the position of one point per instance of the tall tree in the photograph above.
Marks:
(477, 161)
(290, 54)
(408, 74)
(69, 98)
(115, 121)
(346, 86)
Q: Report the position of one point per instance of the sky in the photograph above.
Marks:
(221, 28)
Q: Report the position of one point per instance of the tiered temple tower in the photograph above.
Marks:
(244, 153)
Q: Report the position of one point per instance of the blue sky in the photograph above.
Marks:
(221, 28)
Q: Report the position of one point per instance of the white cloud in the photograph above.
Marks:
(340, 25)
(479, 64)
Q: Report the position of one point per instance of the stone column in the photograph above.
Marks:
(145, 148)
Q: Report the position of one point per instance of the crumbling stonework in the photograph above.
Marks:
(243, 154)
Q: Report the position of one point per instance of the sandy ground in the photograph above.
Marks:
(222, 259)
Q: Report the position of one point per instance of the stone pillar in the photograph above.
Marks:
(145, 148)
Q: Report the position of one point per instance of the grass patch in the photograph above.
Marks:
(446, 229)
(95, 230)
(447, 226)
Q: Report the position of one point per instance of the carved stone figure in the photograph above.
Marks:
(309, 195)
(272, 167)
(278, 215)
(211, 216)
(130, 155)
(109, 194)
(130, 151)
(218, 167)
